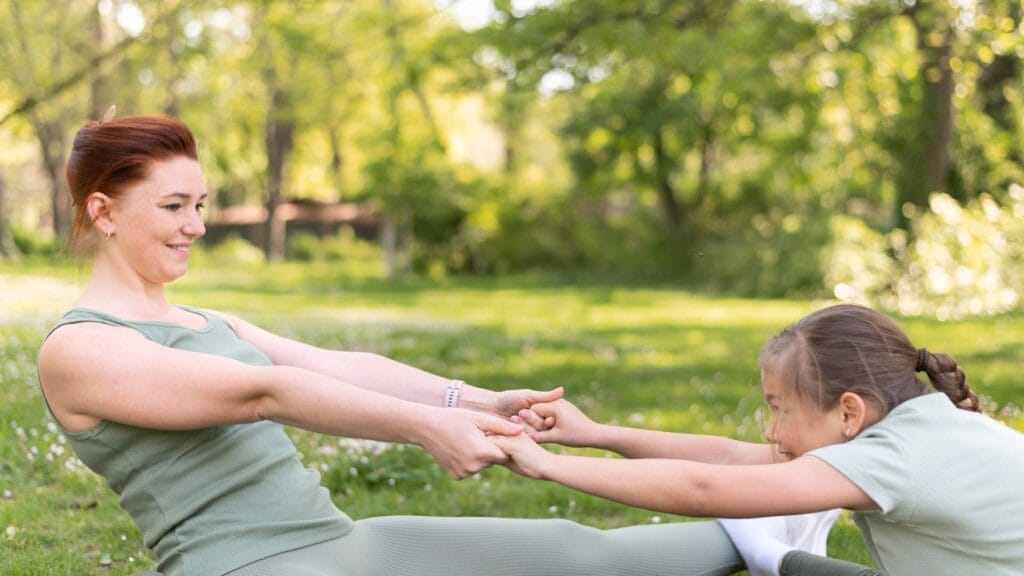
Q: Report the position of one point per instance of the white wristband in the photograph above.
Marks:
(451, 394)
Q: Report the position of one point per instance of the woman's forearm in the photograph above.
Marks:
(320, 403)
(457, 439)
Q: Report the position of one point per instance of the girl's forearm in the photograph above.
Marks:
(639, 443)
(670, 486)
(689, 488)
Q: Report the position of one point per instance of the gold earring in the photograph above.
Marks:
(109, 234)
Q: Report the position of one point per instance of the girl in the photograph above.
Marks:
(935, 485)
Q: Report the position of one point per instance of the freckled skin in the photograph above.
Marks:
(164, 211)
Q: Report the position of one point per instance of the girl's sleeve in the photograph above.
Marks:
(877, 462)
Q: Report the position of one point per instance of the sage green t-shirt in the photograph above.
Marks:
(949, 485)
(211, 500)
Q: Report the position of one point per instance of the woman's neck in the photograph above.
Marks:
(112, 288)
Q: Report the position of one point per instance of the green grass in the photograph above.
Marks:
(652, 357)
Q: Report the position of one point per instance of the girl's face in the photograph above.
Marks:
(796, 424)
(157, 220)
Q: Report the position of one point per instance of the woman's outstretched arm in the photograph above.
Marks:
(133, 381)
(384, 375)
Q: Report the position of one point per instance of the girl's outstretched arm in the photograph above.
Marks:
(563, 423)
(806, 484)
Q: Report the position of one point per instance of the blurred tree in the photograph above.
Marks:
(48, 76)
(8, 249)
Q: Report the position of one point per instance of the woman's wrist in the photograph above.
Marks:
(479, 399)
(453, 393)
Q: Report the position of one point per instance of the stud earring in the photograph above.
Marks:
(848, 433)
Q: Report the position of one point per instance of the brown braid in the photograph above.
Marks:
(947, 377)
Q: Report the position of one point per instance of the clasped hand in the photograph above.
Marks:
(558, 422)
(460, 440)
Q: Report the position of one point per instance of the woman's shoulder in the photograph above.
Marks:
(79, 328)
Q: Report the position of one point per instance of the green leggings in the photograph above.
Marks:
(437, 546)
(798, 563)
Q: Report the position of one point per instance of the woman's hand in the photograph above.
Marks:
(560, 422)
(509, 403)
(525, 456)
(458, 440)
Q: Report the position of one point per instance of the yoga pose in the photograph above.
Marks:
(934, 484)
(181, 410)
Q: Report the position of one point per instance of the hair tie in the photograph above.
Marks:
(109, 114)
(922, 360)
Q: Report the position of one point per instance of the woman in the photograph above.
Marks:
(181, 410)
(934, 484)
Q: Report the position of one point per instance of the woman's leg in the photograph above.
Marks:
(434, 546)
(798, 563)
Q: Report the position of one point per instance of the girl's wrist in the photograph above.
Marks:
(607, 437)
(547, 466)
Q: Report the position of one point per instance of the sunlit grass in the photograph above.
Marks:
(644, 356)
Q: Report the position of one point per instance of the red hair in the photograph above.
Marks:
(110, 156)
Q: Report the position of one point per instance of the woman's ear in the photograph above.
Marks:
(99, 206)
(856, 413)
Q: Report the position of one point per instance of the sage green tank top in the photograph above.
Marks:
(208, 501)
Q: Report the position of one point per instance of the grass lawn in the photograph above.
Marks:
(649, 357)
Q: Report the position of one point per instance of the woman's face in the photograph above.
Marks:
(157, 220)
(796, 424)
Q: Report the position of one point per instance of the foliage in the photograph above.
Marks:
(232, 251)
(343, 245)
(607, 137)
(33, 243)
(961, 260)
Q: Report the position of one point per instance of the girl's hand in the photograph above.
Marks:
(525, 456)
(559, 422)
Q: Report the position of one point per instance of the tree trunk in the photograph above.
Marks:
(707, 160)
(663, 183)
(99, 90)
(8, 249)
(394, 243)
(939, 107)
(925, 158)
(337, 163)
(53, 146)
(279, 132)
(396, 240)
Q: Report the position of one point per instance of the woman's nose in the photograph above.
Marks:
(195, 226)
